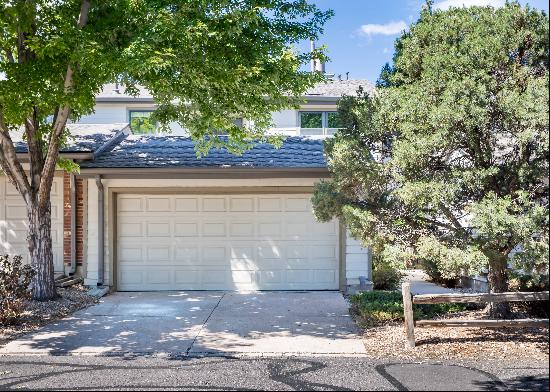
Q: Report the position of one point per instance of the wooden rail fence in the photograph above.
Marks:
(410, 324)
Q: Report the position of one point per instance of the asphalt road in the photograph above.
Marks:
(313, 373)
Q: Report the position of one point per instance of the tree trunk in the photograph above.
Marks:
(498, 283)
(40, 249)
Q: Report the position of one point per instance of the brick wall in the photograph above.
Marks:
(67, 220)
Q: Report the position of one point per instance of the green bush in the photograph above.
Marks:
(380, 307)
(15, 279)
(434, 272)
(385, 276)
(518, 281)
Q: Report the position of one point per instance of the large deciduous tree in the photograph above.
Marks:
(448, 160)
(204, 61)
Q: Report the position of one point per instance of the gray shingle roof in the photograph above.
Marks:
(331, 88)
(113, 91)
(84, 137)
(338, 88)
(179, 152)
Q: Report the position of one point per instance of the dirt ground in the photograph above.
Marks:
(38, 313)
(458, 343)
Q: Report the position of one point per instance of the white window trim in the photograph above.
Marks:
(324, 131)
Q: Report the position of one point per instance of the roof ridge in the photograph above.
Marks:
(110, 144)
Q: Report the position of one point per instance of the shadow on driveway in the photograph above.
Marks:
(201, 323)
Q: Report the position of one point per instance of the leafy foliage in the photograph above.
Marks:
(204, 61)
(380, 307)
(385, 276)
(15, 279)
(448, 161)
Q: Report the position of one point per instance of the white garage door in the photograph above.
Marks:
(233, 242)
(13, 222)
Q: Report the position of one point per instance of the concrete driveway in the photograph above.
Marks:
(202, 323)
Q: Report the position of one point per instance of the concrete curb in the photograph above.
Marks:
(99, 292)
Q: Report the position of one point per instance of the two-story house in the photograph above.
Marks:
(145, 213)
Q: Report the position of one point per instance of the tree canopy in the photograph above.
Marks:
(204, 61)
(448, 160)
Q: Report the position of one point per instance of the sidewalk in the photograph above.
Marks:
(420, 285)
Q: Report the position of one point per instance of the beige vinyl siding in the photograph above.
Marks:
(14, 226)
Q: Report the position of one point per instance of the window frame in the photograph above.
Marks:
(325, 129)
(139, 110)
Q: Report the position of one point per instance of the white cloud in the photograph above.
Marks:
(391, 28)
(445, 5)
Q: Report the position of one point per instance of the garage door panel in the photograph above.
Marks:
(270, 251)
(17, 237)
(241, 265)
(159, 276)
(270, 230)
(186, 255)
(186, 277)
(243, 252)
(297, 251)
(242, 229)
(212, 255)
(299, 276)
(10, 189)
(270, 277)
(133, 277)
(323, 252)
(214, 204)
(243, 277)
(269, 204)
(214, 229)
(325, 276)
(158, 204)
(130, 254)
(16, 211)
(158, 229)
(298, 204)
(159, 254)
(323, 229)
(214, 277)
(244, 242)
(186, 229)
(297, 231)
(130, 230)
(129, 204)
(241, 204)
(186, 204)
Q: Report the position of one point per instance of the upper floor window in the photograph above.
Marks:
(319, 123)
(141, 122)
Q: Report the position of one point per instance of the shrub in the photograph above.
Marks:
(15, 279)
(433, 270)
(530, 282)
(385, 276)
(380, 307)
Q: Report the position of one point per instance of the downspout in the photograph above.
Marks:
(72, 186)
(100, 231)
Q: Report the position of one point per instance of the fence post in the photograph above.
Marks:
(408, 310)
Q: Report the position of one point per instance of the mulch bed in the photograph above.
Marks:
(458, 343)
(38, 313)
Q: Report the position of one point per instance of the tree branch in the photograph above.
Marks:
(10, 163)
(60, 121)
(450, 216)
(9, 55)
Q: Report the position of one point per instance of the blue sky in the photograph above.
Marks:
(361, 34)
